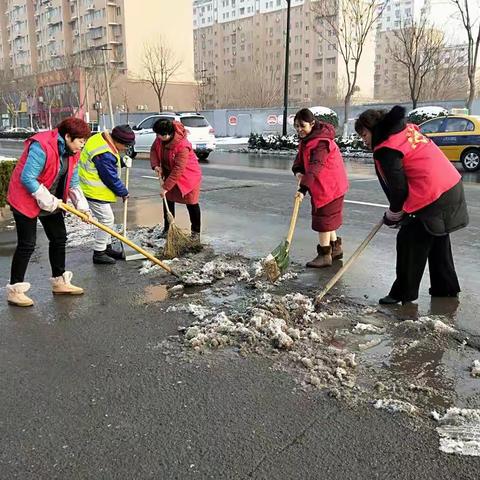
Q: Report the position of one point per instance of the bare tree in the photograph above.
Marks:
(416, 46)
(258, 86)
(16, 93)
(159, 65)
(469, 14)
(346, 25)
(447, 78)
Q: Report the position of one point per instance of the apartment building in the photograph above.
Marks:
(240, 55)
(60, 42)
(390, 79)
(448, 79)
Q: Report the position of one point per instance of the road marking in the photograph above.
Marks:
(356, 202)
(368, 204)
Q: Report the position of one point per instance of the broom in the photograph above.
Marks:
(278, 260)
(178, 241)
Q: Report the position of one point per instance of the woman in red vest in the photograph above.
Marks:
(174, 161)
(45, 174)
(427, 202)
(320, 171)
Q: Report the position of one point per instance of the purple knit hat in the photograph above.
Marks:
(123, 134)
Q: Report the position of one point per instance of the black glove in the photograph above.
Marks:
(393, 219)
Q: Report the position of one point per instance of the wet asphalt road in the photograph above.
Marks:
(86, 392)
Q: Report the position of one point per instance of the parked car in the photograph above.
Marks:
(458, 136)
(19, 130)
(200, 133)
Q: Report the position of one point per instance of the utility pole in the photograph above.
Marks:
(109, 96)
(287, 56)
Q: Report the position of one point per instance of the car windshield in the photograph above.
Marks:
(194, 122)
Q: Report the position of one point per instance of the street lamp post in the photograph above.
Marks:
(285, 89)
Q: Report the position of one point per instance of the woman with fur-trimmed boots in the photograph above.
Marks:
(45, 174)
(320, 171)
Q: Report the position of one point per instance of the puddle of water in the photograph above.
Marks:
(155, 293)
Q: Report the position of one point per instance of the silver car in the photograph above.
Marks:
(199, 132)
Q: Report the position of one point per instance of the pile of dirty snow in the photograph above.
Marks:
(459, 431)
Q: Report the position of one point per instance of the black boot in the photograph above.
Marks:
(101, 258)
(388, 300)
(164, 233)
(112, 253)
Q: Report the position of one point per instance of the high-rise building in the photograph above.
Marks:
(240, 55)
(447, 80)
(58, 42)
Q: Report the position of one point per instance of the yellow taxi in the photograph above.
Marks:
(458, 136)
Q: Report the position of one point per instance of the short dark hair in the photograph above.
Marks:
(75, 127)
(369, 119)
(304, 115)
(164, 127)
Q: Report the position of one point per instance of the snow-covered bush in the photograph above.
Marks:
(422, 114)
(290, 142)
(272, 142)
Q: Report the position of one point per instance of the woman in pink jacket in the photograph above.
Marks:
(173, 159)
(320, 171)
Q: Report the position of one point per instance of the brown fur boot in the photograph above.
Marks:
(323, 259)
(337, 252)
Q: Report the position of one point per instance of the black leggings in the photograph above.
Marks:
(54, 226)
(193, 212)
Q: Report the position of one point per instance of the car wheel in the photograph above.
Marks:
(471, 160)
(130, 151)
(203, 155)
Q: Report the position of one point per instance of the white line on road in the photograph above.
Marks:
(368, 204)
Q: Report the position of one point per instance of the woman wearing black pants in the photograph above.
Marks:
(427, 202)
(174, 161)
(45, 174)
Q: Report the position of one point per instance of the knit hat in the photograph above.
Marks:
(123, 134)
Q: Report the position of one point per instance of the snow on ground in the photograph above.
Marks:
(232, 140)
(459, 431)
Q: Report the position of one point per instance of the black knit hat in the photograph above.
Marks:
(123, 134)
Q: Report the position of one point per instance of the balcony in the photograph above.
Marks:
(90, 8)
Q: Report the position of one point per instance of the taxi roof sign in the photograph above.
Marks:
(459, 111)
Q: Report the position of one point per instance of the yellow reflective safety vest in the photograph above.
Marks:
(90, 182)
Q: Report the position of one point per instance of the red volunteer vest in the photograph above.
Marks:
(18, 196)
(328, 181)
(192, 175)
(429, 172)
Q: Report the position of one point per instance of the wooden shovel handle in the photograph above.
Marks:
(115, 234)
(349, 262)
(293, 220)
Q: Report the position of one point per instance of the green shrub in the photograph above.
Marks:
(420, 117)
(290, 142)
(6, 169)
(330, 118)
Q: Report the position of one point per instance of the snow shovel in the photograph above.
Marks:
(278, 260)
(348, 263)
(120, 237)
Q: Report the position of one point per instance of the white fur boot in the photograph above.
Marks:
(62, 286)
(16, 294)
